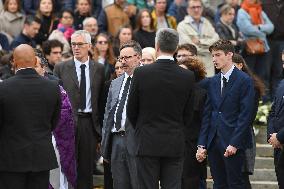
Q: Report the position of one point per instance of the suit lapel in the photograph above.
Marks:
(72, 72)
(217, 88)
(92, 72)
(117, 87)
(281, 100)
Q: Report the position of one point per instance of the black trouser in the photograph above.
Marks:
(28, 180)
(85, 141)
(108, 182)
(167, 170)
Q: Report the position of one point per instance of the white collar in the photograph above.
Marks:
(165, 57)
(79, 63)
(228, 74)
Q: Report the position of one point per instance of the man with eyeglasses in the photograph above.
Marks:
(117, 142)
(197, 30)
(83, 81)
(186, 51)
(52, 50)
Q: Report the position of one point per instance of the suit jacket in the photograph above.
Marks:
(112, 101)
(66, 71)
(159, 107)
(276, 117)
(29, 110)
(229, 114)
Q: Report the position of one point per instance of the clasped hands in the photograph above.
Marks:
(202, 153)
(274, 141)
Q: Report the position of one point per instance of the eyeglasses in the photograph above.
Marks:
(118, 67)
(184, 55)
(195, 7)
(126, 58)
(102, 42)
(79, 45)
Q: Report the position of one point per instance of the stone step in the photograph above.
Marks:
(264, 163)
(254, 184)
(98, 180)
(261, 134)
(259, 175)
(264, 150)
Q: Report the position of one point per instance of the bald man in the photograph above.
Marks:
(29, 110)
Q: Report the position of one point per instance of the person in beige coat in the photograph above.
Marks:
(11, 19)
(199, 31)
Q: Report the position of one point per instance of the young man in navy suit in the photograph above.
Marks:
(225, 133)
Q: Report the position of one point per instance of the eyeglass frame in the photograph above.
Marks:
(126, 58)
(79, 45)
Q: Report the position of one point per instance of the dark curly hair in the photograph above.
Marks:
(196, 66)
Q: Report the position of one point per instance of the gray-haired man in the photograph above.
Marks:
(159, 106)
(83, 80)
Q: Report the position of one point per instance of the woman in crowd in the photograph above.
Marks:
(259, 87)
(255, 24)
(145, 33)
(103, 54)
(49, 21)
(148, 55)
(123, 35)
(193, 171)
(11, 19)
(64, 30)
(226, 28)
(83, 11)
(63, 137)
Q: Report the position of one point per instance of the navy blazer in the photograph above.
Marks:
(229, 114)
(276, 117)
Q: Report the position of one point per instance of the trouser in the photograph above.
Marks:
(27, 180)
(85, 141)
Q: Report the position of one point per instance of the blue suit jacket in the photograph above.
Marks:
(228, 114)
(276, 118)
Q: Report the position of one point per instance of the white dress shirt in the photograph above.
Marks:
(165, 57)
(88, 85)
(124, 108)
(226, 75)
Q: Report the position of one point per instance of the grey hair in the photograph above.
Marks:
(86, 20)
(167, 39)
(86, 35)
(132, 44)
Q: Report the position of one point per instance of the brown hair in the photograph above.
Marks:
(139, 20)
(222, 45)
(109, 55)
(39, 14)
(225, 9)
(196, 66)
(7, 2)
(258, 83)
(189, 47)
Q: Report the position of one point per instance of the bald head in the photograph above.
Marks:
(24, 56)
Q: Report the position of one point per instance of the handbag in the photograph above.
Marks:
(255, 46)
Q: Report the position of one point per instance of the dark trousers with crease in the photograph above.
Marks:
(27, 180)
(226, 171)
(85, 141)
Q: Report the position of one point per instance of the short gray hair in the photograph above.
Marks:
(167, 39)
(85, 34)
(86, 20)
(132, 44)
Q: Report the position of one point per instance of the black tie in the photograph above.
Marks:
(83, 88)
(121, 104)
(224, 83)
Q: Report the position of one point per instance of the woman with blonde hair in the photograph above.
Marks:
(148, 56)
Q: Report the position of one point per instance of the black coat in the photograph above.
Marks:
(29, 111)
(159, 107)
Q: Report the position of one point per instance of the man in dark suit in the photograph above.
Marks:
(29, 110)
(117, 139)
(226, 122)
(275, 132)
(159, 105)
(83, 81)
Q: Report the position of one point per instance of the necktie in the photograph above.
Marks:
(121, 104)
(224, 83)
(83, 88)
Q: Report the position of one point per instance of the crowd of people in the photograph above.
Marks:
(125, 93)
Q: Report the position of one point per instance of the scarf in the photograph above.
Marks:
(254, 10)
